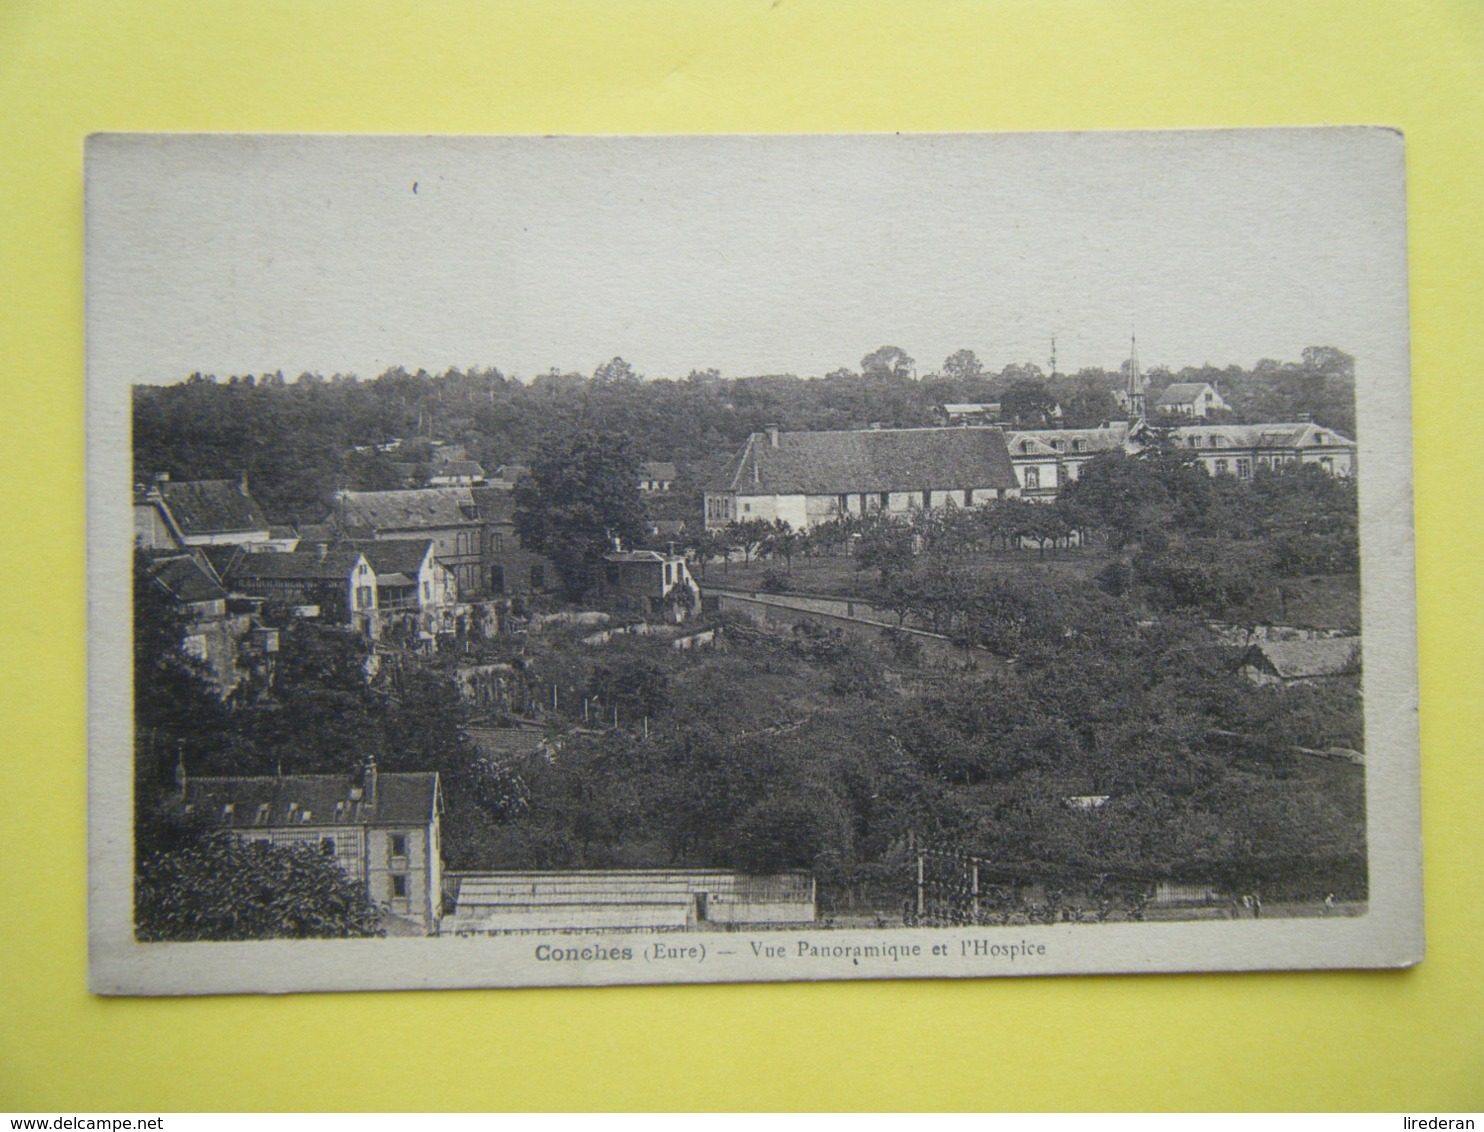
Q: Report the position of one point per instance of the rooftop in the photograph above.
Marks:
(212, 507)
(909, 459)
(298, 800)
(415, 509)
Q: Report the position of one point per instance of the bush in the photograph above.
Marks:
(775, 581)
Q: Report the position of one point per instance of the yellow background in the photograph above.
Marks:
(1379, 1040)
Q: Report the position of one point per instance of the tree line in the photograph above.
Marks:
(298, 439)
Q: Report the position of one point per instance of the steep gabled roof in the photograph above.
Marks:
(396, 555)
(426, 508)
(301, 565)
(212, 507)
(401, 799)
(908, 459)
(1184, 392)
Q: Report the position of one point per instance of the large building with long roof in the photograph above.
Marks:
(805, 478)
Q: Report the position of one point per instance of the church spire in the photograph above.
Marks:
(1135, 380)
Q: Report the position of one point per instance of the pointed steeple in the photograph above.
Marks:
(1136, 382)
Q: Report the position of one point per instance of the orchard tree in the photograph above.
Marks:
(581, 492)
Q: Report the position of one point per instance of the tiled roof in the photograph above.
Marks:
(212, 507)
(495, 505)
(396, 555)
(425, 508)
(301, 565)
(401, 799)
(1183, 393)
(184, 580)
(1281, 435)
(1326, 656)
(469, 468)
(1042, 440)
(910, 459)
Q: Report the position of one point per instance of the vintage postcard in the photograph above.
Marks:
(542, 561)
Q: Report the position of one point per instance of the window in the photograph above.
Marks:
(427, 591)
(1195, 441)
(1221, 467)
(1327, 464)
(747, 507)
(1319, 438)
(1244, 469)
(1079, 446)
(1057, 444)
(327, 846)
(399, 844)
(885, 500)
(399, 886)
(1025, 445)
(497, 579)
(1032, 478)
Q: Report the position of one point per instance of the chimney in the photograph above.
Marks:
(242, 483)
(369, 779)
(180, 772)
(772, 431)
(162, 477)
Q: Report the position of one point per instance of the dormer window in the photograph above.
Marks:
(229, 809)
(1319, 438)
(306, 815)
(1025, 446)
(1079, 446)
(1057, 444)
(261, 817)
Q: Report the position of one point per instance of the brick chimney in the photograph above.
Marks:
(242, 483)
(369, 781)
(772, 431)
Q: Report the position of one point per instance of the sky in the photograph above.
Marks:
(253, 254)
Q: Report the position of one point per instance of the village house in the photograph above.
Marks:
(211, 631)
(1190, 399)
(447, 515)
(456, 473)
(381, 829)
(963, 413)
(409, 575)
(335, 584)
(506, 476)
(656, 477)
(652, 581)
(170, 515)
(806, 478)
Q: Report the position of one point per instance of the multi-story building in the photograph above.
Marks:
(382, 829)
(1047, 459)
(447, 515)
(806, 478)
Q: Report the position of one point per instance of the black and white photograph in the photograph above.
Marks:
(542, 561)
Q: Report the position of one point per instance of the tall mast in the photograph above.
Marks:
(1053, 355)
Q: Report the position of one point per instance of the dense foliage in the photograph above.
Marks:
(296, 439)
